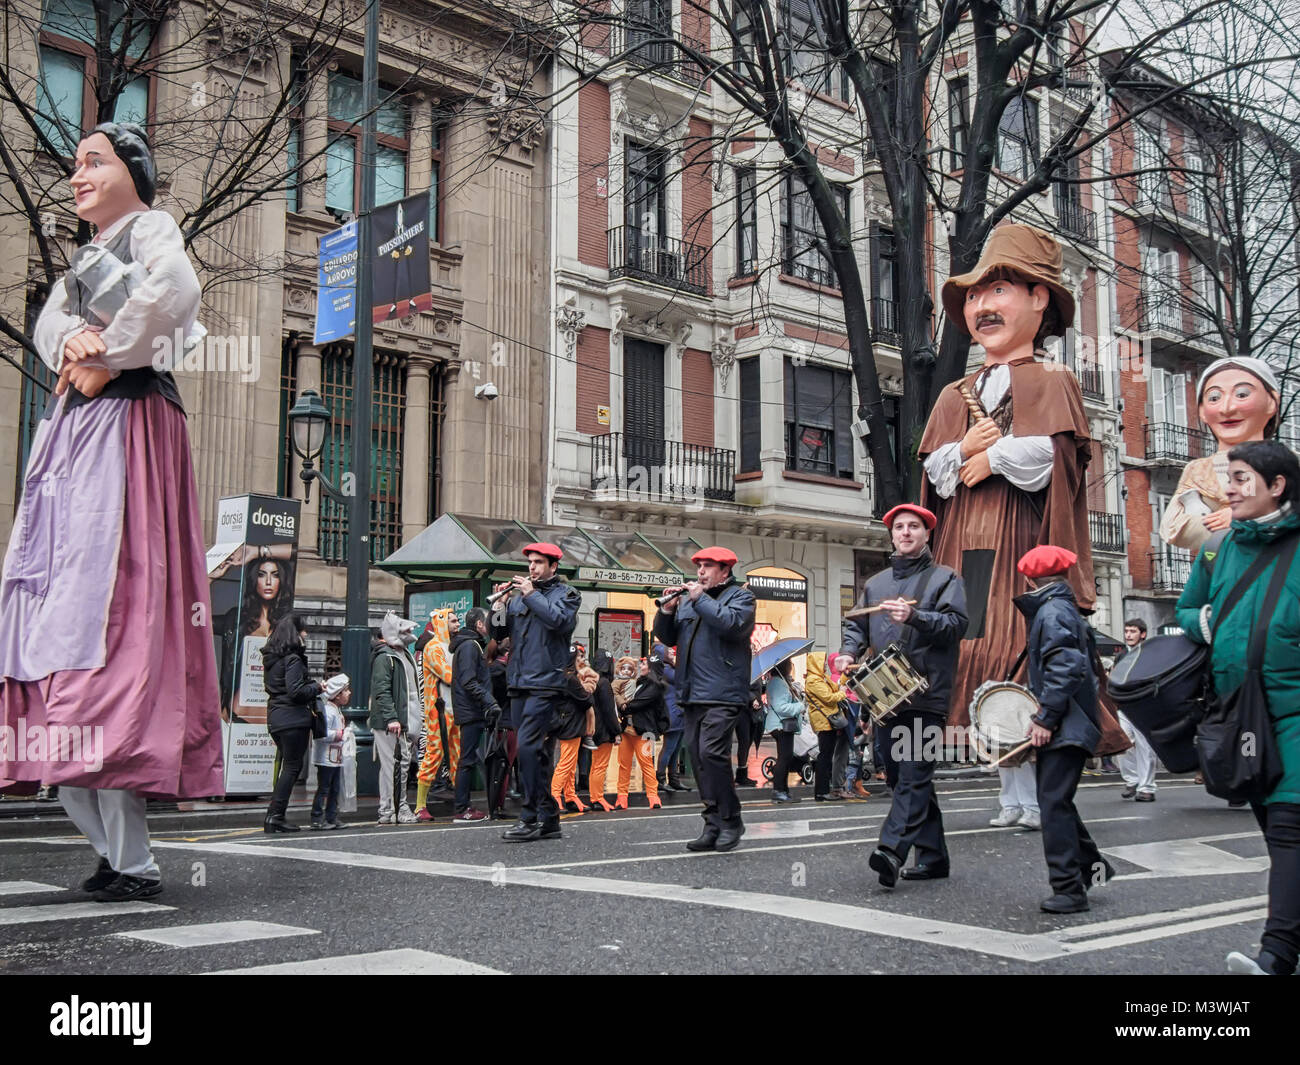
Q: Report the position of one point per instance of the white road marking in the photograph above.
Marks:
(206, 935)
(838, 915)
(404, 962)
(1125, 939)
(71, 911)
(1189, 857)
(1141, 920)
(26, 887)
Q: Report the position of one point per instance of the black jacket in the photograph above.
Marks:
(1060, 666)
(290, 695)
(602, 699)
(930, 638)
(711, 635)
(647, 711)
(573, 713)
(471, 681)
(540, 626)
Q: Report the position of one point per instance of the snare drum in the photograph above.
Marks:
(1000, 713)
(885, 682)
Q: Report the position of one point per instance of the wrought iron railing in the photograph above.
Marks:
(1162, 311)
(1092, 379)
(885, 325)
(1169, 572)
(1176, 443)
(630, 466)
(648, 256)
(1076, 220)
(1106, 531)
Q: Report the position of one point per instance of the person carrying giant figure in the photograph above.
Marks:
(105, 616)
(1006, 451)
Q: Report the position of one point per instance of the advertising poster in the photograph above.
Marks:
(422, 604)
(400, 232)
(336, 285)
(251, 574)
(620, 632)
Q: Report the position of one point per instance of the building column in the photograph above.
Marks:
(307, 374)
(417, 452)
(315, 136)
(419, 165)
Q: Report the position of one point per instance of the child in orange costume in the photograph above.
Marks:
(582, 682)
(436, 661)
(607, 730)
(645, 715)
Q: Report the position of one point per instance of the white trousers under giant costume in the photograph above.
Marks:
(114, 823)
(1019, 788)
(1137, 765)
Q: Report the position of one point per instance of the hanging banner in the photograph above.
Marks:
(336, 285)
(400, 237)
(251, 577)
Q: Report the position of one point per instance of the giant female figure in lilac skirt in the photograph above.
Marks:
(108, 684)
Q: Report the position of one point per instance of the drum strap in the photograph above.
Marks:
(1020, 661)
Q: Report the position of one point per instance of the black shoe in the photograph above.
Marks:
(886, 863)
(937, 871)
(1060, 903)
(729, 838)
(708, 841)
(317, 824)
(279, 824)
(1129, 791)
(125, 888)
(783, 796)
(103, 875)
(336, 824)
(744, 781)
(677, 785)
(551, 831)
(665, 788)
(1145, 796)
(523, 832)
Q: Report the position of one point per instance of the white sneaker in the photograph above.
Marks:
(386, 819)
(1240, 965)
(1009, 816)
(405, 816)
(1031, 820)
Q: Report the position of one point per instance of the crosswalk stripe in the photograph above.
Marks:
(72, 911)
(1162, 917)
(26, 887)
(206, 935)
(405, 962)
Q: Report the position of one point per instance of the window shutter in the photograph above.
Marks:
(843, 385)
(751, 415)
(1178, 386)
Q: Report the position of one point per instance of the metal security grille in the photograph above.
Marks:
(388, 403)
(284, 482)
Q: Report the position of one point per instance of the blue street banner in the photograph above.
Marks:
(336, 299)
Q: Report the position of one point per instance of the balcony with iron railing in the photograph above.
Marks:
(646, 256)
(1092, 379)
(1161, 312)
(646, 42)
(885, 325)
(1075, 220)
(1106, 531)
(1169, 572)
(1167, 442)
(642, 468)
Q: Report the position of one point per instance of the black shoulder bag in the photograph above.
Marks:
(1234, 740)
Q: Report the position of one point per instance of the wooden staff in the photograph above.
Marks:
(862, 611)
(976, 408)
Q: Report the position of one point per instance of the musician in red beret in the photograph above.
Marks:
(710, 620)
(1067, 726)
(539, 616)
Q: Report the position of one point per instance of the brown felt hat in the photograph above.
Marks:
(1032, 254)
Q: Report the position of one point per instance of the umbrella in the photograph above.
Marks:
(774, 654)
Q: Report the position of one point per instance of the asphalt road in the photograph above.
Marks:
(620, 894)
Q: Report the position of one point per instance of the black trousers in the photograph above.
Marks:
(325, 806)
(784, 755)
(470, 758)
(744, 740)
(1073, 861)
(537, 716)
(1280, 822)
(914, 820)
(708, 737)
(826, 744)
(292, 744)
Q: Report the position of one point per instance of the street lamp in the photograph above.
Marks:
(309, 419)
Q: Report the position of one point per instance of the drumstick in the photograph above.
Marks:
(862, 611)
(1009, 754)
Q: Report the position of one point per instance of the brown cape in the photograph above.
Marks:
(982, 532)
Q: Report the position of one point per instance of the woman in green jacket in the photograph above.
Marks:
(1264, 494)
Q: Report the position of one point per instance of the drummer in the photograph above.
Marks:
(1066, 728)
(923, 609)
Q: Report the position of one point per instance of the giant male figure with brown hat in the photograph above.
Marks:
(921, 607)
(710, 621)
(1006, 449)
(540, 616)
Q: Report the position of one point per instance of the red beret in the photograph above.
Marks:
(1046, 560)
(926, 516)
(715, 554)
(543, 548)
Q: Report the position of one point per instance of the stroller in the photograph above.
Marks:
(804, 761)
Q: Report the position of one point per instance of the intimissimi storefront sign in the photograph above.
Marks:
(778, 589)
